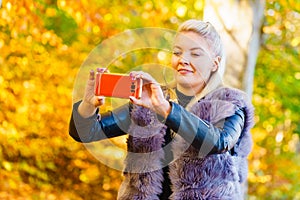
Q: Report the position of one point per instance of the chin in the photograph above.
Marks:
(189, 83)
(184, 82)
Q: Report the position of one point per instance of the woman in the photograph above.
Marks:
(187, 142)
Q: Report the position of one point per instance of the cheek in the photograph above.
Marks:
(203, 70)
(202, 65)
(174, 62)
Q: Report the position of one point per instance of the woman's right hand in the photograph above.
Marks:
(90, 102)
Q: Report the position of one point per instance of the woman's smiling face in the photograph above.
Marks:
(193, 62)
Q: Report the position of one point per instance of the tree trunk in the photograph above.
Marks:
(239, 24)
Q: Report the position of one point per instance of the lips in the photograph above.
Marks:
(185, 71)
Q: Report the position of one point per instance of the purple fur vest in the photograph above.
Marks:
(215, 176)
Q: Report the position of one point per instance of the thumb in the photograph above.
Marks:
(135, 100)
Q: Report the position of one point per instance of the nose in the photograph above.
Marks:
(184, 61)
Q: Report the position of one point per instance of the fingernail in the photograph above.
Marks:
(132, 77)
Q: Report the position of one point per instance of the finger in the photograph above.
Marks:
(135, 100)
(142, 75)
(154, 85)
(98, 100)
(102, 70)
(92, 75)
(101, 100)
(133, 75)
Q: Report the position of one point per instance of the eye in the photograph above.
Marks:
(177, 53)
(196, 54)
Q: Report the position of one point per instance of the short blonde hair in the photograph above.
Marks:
(205, 30)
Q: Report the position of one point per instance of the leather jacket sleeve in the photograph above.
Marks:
(203, 136)
(111, 124)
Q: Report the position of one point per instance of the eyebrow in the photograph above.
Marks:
(194, 48)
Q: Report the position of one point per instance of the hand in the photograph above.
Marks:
(90, 102)
(152, 95)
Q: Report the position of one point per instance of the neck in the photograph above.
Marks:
(214, 83)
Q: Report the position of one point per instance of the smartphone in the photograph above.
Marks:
(117, 85)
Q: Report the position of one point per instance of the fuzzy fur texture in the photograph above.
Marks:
(216, 176)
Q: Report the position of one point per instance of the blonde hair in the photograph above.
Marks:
(208, 32)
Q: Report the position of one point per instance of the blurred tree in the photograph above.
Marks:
(239, 23)
(241, 38)
(275, 157)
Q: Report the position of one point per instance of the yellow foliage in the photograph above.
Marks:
(38, 159)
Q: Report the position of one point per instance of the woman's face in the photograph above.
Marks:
(193, 62)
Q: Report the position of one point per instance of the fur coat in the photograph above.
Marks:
(193, 175)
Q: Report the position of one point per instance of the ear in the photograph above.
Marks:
(216, 64)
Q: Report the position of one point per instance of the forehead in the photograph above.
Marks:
(190, 40)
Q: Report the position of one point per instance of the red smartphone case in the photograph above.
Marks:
(117, 85)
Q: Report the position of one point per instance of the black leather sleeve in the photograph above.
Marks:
(205, 137)
(96, 127)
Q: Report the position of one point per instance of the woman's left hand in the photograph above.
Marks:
(152, 94)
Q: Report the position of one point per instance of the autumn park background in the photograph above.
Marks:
(43, 43)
